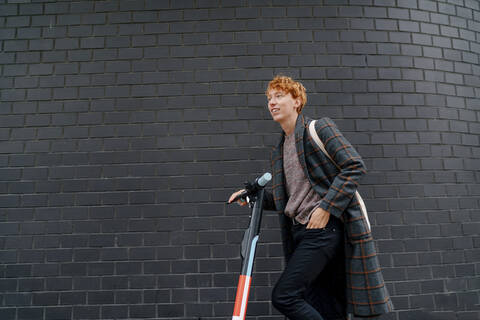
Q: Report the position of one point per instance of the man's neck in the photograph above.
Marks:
(288, 125)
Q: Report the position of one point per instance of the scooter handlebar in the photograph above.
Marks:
(252, 188)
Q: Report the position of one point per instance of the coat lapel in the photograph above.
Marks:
(299, 135)
(278, 187)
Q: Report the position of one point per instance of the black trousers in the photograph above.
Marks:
(312, 286)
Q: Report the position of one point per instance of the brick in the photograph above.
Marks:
(86, 312)
(45, 298)
(19, 21)
(171, 310)
(107, 30)
(198, 309)
(100, 297)
(376, 12)
(80, 55)
(30, 313)
(96, 18)
(117, 42)
(73, 297)
(142, 311)
(9, 9)
(119, 312)
(29, 33)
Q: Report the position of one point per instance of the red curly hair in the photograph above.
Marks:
(288, 85)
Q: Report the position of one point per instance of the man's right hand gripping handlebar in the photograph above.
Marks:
(237, 196)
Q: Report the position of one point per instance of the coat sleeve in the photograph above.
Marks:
(352, 167)
(268, 203)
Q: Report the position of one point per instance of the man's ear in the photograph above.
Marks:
(298, 103)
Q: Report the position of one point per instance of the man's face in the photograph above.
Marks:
(282, 105)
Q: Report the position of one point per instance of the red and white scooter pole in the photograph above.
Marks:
(243, 287)
(254, 195)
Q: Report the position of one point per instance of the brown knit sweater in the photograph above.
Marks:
(302, 199)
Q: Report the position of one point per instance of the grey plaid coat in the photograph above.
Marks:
(365, 289)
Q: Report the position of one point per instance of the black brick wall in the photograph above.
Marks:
(124, 126)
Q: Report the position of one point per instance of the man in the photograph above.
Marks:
(313, 195)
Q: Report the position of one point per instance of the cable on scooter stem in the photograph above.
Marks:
(255, 192)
